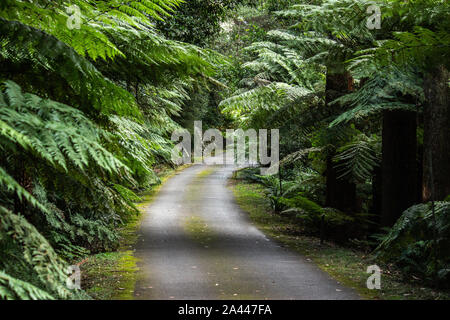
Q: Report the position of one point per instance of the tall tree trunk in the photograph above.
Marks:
(436, 138)
(375, 209)
(399, 166)
(419, 174)
(340, 193)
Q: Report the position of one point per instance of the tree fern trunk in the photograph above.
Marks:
(399, 166)
(436, 135)
(340, 193)
(419, 172)
(375, 208)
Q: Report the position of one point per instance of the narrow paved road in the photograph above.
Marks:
(196, 243)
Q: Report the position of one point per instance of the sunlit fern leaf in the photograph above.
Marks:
(56, 132)
(88, 36)
(22, 44)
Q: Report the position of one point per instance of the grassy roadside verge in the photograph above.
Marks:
(112, 275)
(346, 265)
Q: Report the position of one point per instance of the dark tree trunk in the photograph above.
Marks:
(419, 183)
(436, 138)
(340, 193)
(399, 166)
(376, 193)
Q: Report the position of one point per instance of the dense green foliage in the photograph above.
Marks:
(419, 242)
(328, 82)
(197, 21)
(88, 103)
(85, 115)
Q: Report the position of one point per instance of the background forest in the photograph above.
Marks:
(87, 111)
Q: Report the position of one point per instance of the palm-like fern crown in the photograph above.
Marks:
(287, 72)
(326, 34)
(333, 34)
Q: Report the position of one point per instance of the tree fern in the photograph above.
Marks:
(35, 251)
(52, 16)
(12, 289)
(418, 240)
(85, 115)
(47, 54)
(357, 159)
(58, 133)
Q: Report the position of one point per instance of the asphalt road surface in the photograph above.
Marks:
(196, 243)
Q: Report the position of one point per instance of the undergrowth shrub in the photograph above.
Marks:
(419, 242)
(293, 201)
(334, 224)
